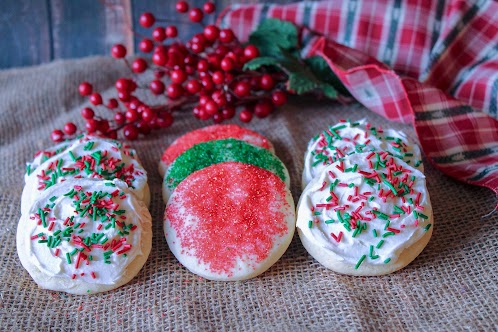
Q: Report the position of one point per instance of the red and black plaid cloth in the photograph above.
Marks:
(432, 63)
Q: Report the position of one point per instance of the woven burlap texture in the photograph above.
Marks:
(452, 285)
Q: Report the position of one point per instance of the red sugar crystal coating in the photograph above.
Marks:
(212, 133)
(238, 213)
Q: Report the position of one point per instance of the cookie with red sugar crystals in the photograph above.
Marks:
(210, 133)
(229, 221)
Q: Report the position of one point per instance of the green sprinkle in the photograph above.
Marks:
(360, 261)
(104, 240)
(387, 261)
(423, 215)
(109, 184)
(310, 223)
(68, 258)
(53, 198)
(328, 198)
(72, 156)
(371, 198)
(381, 242)
(389, 184)
(415, 214)
(374, 231)
(426, 228)
(88, 146)
(371, 251)
(330, 221)
(388, 234)
(417, 164)
(387, 224)
(42, 217)
(398, 210)
(28, 169)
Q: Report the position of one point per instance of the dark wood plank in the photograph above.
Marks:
(89, 27)
(25, 33)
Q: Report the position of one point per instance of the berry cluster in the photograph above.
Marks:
(204, 75)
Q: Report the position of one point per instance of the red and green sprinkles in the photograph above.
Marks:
(99, 164)
(95, 207)
(389, 181)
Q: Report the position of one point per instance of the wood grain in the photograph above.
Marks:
(25, 33)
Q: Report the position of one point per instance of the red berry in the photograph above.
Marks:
(209, 7)
(103, 126)
(118, 51)
(146, 45)
(245, 116)
(228, 112)
(242, 89)
(112, 103)
(112, 134)
(219, 97)
(147, 20)
(263, 109)
(227, 64)
(203, 100)
(266, 82)
(119, 118)
(139, 65)
(91, 125)
(143, 127)
(193, 86)
(197, 48)
(202, 65)
(134, 104)
(160, 58)
(57, 135)
(131, 115)
(197, 112)
(159, 34)
(171, 31)
(87, 113)
(122, 84)
(196, 15)
(203, 115)
(211, 32)
(251, 52)
(181, 6)
(207, 83)
(96, 98)
(178, 76)
(124, 96)
(211, 107)
(174, 91)
(218, 118)
(226, 35)
(85, 89)
(218, 77)
(165, 120)
(279, 98)
(70, 128)
(130, 132)
(148, 114)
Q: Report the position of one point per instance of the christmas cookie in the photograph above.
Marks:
(84, 236)
(208, 153)
(229, 221)
(87, 157)
(210, 133)
(368, 214)
(346, 138)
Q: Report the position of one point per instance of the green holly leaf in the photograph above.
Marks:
(256, 63)
(328, 90)
(272, 35)
(321, 69)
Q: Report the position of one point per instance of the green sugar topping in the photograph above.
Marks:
(209, 153)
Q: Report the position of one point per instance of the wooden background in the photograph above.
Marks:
(38, 31)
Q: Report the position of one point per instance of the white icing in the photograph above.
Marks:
(43, 258)
(350, 249)
(326, 144)
(137, 180)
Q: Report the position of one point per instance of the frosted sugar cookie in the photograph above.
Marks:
(363, 217)
(84, 236)
(229, 221)
(88, 157)
(208, 153)
(210, 133)
(346, 138)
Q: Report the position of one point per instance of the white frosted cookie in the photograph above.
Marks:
(229, 221)
(87, 157)
(360, 217)
(213, 152)
(84, 236)
(346, 138)
(210, 133)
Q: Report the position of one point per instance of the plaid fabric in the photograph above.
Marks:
(404, 60)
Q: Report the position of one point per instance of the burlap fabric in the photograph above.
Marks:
(452, 285)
